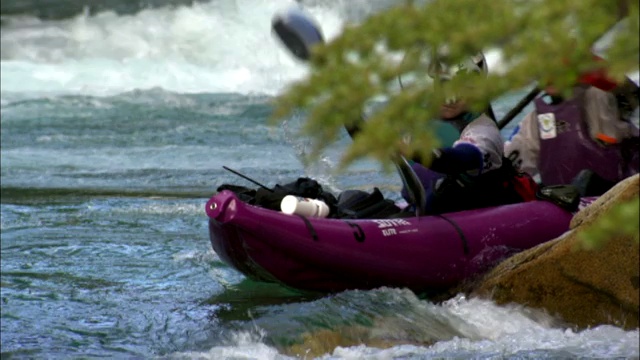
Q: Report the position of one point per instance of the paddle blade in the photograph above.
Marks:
(417, 195)
(297, 32)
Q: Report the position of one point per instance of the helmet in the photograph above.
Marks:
(439, 69)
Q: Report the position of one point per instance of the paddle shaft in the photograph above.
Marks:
(518, 108)
(623, 11)
(292, 31)
(246, 178)
(415, 190)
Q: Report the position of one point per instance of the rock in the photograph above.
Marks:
(582, 287)
(314, 344)
(561, 278)
(623, 191)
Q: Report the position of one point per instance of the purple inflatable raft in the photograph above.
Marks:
(428, 253)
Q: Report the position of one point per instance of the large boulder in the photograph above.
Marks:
(585, 287)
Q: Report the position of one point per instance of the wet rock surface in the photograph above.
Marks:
(584, 287)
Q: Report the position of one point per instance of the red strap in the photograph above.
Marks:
(598, 78)
(525, 186)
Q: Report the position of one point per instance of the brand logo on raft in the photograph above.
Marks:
(388, 232)
(391, 223)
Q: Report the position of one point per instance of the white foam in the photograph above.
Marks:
(210, 47)
(490, 331)
(243, 345)
(507, 330)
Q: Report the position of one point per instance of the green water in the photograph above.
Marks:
(105, 249)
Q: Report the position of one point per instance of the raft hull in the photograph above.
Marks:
(428, 253)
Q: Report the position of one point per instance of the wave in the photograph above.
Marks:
(22, 195)
(64, 9)
(393, 323)
(214, 47)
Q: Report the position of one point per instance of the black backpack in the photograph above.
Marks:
(351, 204)
(270, 198)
